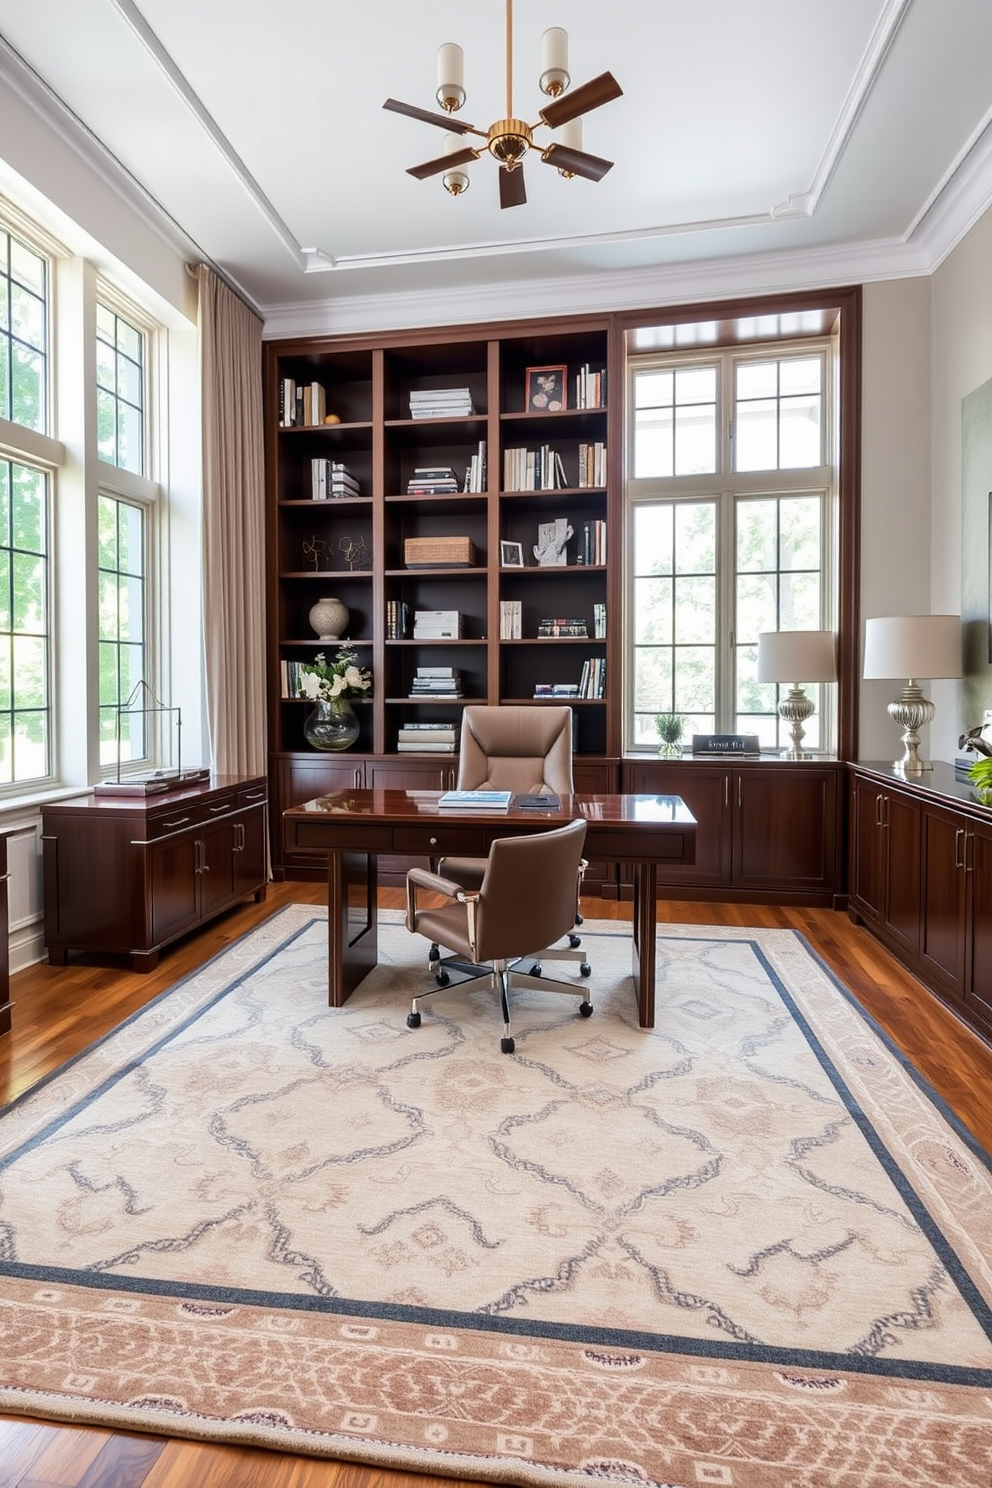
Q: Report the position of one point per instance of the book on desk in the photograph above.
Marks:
(490, 800)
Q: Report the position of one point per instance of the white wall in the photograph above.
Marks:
(895, 480)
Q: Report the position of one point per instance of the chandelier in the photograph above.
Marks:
(509, 139)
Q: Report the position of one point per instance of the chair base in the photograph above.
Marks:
(502, 976)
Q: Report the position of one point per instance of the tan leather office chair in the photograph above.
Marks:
(525, 750)
(527, 896)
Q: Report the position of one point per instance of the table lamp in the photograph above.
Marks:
(791, 656)
(912, 646)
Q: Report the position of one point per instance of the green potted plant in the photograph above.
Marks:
(671, 727)
(980, 771)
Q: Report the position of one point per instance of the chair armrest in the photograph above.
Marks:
(424, 879)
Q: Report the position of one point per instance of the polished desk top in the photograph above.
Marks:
(631, 826)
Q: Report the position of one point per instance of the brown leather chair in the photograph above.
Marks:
(528, 751)
(527, 896)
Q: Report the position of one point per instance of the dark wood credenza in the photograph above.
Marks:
(5, 1002)
(128, 874)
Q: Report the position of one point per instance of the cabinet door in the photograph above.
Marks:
(978, 985)
(406, 774)
(868, 849)
(173, 887)
(902, 874)
(214, 865)
(249, 851)
(942, 937)
(705, 789)
(785, 825)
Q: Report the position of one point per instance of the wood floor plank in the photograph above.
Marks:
(59, 1011)
(66, 1457)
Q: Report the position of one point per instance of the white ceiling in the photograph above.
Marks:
(757, 143)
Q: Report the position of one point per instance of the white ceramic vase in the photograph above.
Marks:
(329, 618)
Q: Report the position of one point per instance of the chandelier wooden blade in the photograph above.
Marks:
(577, 162)
(589, 96)
(443, 163)
(512, 191)
(443, 121)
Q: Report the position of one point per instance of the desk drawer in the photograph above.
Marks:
(434, 839)
(188, 814)
(657, 847)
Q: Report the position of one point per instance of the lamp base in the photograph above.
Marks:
(911, 710)
(795, 708)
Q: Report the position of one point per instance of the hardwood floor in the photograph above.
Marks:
(59, 1011)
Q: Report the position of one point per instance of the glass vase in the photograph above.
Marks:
(331, 725)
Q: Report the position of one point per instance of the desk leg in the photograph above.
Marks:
(352, 922)
(645, 927)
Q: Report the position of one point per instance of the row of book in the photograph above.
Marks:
(436, 682)
(510, 620)
(562, 626)
(300, 403)
(592, 465)
(397, 620)
(331, 480)
(475, 470)
(591, 683)
(593, 542)
(533, 469)
(590, 387)
(441, 403)
(427, 738)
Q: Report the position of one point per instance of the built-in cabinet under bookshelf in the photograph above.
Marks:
(412, 475)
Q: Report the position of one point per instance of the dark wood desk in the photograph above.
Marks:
(351, 827)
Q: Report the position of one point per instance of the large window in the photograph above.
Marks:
(122, 630)
(23, 334)
(25, 730)
(731, 504)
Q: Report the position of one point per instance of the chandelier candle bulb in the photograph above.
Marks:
(459, 180)
(554, 61)
(450, 76)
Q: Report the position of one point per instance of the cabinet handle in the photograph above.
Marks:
(199, 866)
(878, 812)
(740, 792)
(256, 795)
(180, 821)
(969, 858)
(959, 847)
(358, 777)
(239, 836)
(726, 790)
(216, 810)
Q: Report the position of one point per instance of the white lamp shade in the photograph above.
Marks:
(913, 646)
(797, 656)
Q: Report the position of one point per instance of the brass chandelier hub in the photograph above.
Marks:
(508, 141)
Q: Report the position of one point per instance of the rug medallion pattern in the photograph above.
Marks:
(743, 1248)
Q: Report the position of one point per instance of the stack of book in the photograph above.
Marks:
(556, 689)
(397, 620)
(590, 388)
(475, 470)
(592, 464)
(510, 620)
(427, 738)
(331, 480)
(441, 403)
(533, 469)
(300, 403)
(437, 625)
(432, 480)
(437, 682)
(549, 629)
(593, 548)
(592, 683)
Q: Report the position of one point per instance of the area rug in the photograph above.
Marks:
(745, 1248)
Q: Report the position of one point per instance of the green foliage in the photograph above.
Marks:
(980, 771)
(670, 727)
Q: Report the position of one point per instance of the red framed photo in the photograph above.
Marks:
(545, 390)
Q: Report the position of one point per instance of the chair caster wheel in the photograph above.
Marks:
(413, 1020)
(585, 969)
(579, 920)
(442, 978)
(585, 1008)
(536, 969)
(574, 941)
(506, 1046)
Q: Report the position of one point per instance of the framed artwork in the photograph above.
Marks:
(511, 555)
(545, 389)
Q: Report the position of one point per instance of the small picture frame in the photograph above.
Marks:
(511, 555)
(545, 390)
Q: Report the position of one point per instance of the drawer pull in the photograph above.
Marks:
(180, 821)
(216, 810)
(433, 842)
(255, 795)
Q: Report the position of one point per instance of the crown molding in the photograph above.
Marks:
(753, 274)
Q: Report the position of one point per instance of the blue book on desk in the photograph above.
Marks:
(470, 798)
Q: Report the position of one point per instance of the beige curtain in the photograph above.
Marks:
(233, 528)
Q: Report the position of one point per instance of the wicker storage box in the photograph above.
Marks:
(439, 552)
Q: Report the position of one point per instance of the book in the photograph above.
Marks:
(491, 800)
